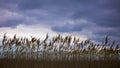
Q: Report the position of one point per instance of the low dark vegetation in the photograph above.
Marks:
(23, 63)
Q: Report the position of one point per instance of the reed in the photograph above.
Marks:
(58, 48)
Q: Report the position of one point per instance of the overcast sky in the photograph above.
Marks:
(92, 19)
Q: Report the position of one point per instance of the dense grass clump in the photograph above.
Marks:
(58, 48)
(58, 52)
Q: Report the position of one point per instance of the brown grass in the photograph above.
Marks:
(103, 55)
(22, 63)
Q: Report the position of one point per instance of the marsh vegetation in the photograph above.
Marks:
(58, 48)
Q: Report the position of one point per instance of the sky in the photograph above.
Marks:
(87, 19)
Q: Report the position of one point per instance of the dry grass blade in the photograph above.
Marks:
(106, 40)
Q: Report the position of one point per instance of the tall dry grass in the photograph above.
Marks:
(58, 48)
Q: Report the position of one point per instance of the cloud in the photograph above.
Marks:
(38, 4)
(9, 4)
(106, 13)
(29, 4)
(26, 31)
(93, 18)
(33, 30)
(10, 19)
(72, 26)
(10, 23)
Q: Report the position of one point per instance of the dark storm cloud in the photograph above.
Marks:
(29, 4)
(54, 4)
(102, 13)
(68, 27)
(72, 26)
(113, 32)
(11, 23)
(105, 13)
(8, 4)
(8, 1)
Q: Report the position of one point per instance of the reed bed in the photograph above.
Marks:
(58, 48)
